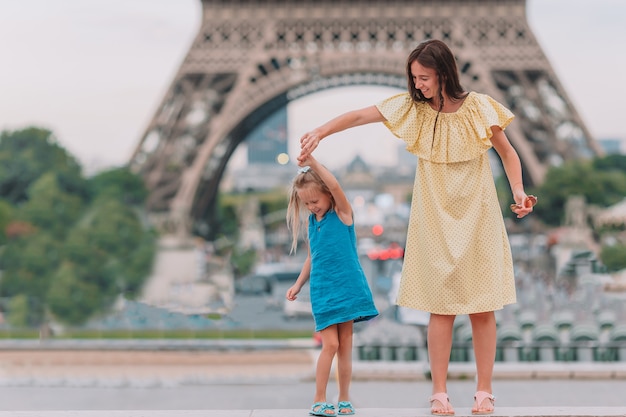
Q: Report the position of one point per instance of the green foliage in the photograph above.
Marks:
(6, 215)
(613, 257)
(50, 208)
(599, 187)
(108, 250)
(228, 224)
(131, 249)
(139, 266)
(505, 197)
(71, 245)
(220, 333)
(243, 261)
(119, 184)
(25, 155)
(613, 162)
(272, 201)
(73, 298)
(90, 263)
(28, 264)
(19, 311)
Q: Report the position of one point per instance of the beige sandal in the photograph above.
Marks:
(479, 398)
(445, 409)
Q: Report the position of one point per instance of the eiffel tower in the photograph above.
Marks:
(250, 58)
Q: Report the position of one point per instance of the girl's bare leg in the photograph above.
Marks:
(344, 359)
(330, 343)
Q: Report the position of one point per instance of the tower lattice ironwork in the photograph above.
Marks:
(250, 58)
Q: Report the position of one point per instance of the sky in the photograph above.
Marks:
(94, 72)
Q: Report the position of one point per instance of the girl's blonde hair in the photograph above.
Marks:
(297, 214)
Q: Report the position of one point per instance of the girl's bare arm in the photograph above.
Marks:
(342, 205)
(293, 291)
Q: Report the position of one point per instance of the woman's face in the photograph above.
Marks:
(425, 79)
(315, 200)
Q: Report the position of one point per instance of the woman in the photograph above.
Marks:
(457, 258)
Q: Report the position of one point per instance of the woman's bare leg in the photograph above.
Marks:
(439, 347)
(484, 342)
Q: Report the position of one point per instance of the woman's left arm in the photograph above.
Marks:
(512, 168)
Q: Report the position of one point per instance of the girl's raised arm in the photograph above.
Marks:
(342, 205)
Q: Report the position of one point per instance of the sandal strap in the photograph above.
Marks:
(323, 407)
(481, 396)
(442, 397)
(345, 405)
(445, 409)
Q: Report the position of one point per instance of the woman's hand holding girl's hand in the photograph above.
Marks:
(308, 143)
(304, 160)
(307, 160)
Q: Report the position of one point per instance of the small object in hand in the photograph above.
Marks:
(530, 202)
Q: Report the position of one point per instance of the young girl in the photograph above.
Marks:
(340, 294)
(457, 258)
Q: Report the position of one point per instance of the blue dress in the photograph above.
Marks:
(339, 288)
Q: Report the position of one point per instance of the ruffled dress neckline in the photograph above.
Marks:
(459, 136)
(463, 101)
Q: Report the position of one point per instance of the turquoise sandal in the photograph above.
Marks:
(321, 409)
(345, 405)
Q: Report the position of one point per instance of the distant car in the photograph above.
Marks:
(253, 285)
(278, 275)
(268, 279)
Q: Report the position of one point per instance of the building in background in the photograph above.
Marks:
(267, 163)
(613, 145)
(269, 140)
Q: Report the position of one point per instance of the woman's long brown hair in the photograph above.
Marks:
(436, 55)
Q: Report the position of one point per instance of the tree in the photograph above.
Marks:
(613, 162)
(51, 208)
(106, 254)
(25, 155)
(72, 298)
(599, 187)
(6, 215)
(29, 262)
(116, 230)
(613, 257)
(72, 245)
(19, 311)
(119, 184)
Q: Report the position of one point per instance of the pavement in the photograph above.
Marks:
(280, 383)
(295, 361)
(370, 412)
(109, 368)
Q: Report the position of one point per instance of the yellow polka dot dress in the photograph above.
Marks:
(457, 257)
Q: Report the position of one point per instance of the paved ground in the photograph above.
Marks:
(372, 412)
(58, 367)
(275, 379)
